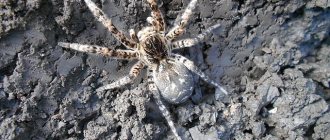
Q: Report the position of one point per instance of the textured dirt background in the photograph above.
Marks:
(273, 57)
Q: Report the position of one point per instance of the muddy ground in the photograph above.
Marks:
(272, 56)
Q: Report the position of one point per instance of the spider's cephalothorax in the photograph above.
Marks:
(152, 47)
(169, 75)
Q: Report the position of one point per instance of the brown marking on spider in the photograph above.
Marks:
(169, 75)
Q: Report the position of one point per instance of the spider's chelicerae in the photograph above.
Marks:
(169, 75)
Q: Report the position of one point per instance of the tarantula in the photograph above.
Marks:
(169, 75)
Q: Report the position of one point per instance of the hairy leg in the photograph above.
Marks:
(193, 41)
(133, 35)
(101, 17)
(116, 54)
(155, 92)
(153, 22)
(191, 66)
(157, 15)
(135, 71)
(179, 28)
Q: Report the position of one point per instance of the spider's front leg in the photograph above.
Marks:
(192, 67)
(101, 17)
(189, 42)
(135, 71)
(178, 29)
(155, 92)
(133, 35)
(116, 54)
(158, 20)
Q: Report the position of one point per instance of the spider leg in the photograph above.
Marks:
(101, 17)
(135, 71)
(156, 15)
(192, 67)
(189, 42)
(152, 21)
(116, 54)
(193, 41)
(133, 35)
(155, 92)
(178, 29)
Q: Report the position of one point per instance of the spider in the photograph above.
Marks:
(169, 75)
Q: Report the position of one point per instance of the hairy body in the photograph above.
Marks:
(169, 75)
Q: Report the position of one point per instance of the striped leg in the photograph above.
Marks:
(153, 88)
(189, 42)
(178, 29)
(153, 22)
(133, 35)
(135, 71)
(157, 15)
(191, 66)
(193, 41)
(101, 17)
(116, 54)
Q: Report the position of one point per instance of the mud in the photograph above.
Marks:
(272, 56)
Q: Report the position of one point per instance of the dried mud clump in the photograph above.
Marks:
(273, 57)
(13, 14)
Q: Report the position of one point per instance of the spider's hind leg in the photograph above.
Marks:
(153, 88)
(135, 71)
(192, 67)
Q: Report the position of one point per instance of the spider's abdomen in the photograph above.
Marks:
(175, 82)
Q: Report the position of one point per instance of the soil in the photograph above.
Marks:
(273, 57)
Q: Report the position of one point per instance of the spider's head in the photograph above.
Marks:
(153, 46)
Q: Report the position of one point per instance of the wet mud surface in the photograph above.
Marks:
(272, 56)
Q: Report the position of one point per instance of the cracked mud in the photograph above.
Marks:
(272, 56)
